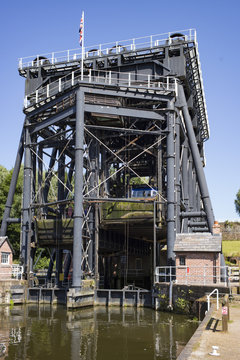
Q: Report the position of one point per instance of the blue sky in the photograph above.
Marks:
(29, 28)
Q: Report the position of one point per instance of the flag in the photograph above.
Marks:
(81, 32)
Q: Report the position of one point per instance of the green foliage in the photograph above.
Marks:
(43, 259)
(237, 202)
(139, 180)
(231, 248)
(43, 263)
(13, 231)
(182, 305)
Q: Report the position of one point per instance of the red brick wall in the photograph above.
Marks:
(6, 269)
(199, 268)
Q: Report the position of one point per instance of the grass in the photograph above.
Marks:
(231, 248)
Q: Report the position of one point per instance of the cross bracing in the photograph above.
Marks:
(113, 159)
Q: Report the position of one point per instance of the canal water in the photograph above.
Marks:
(52, 333)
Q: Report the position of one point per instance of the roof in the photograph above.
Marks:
(198, 242)
(3, 239)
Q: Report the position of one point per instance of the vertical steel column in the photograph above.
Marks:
(48, 176)
(59, 250)
(50, 266)
(40, 175)
(159, 179)
(12, 187)
(185, 182)
(177, 174)
(154, 241)
(67, 264)
(190, 183)
(93, 182)
(194, 193)
(78, 191)
(26, 219)
(96, 246)
(69, 178)
(198, 203)
(170, 186)
(197, 161)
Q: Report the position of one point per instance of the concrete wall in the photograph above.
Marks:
(12, 292)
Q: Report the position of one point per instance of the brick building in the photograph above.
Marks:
(6, 258)
(198, 258)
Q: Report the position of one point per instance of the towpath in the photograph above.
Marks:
(210, 334)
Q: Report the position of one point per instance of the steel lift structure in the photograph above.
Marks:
(134, 117)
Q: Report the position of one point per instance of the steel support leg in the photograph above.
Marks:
(170, 188)
(197, 161)
(177, 175)
(59, 251)
(190, 183)
(78, 191)
(26, 216)
(12, 187)
(185, 182)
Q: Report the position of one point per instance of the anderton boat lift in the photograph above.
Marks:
(114, 184)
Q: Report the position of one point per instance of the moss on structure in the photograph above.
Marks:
(182, 305)
(125, 210)
(163, 301)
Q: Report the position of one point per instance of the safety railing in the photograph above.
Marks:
(160, 83)
(199, 275)
(69, 56)
(209, 296)
(17, 271)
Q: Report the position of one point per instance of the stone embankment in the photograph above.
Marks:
(12, 292)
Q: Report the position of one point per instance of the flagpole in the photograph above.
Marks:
(82, 45)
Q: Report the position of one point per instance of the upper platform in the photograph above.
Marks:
(68, 58)
(175, 53)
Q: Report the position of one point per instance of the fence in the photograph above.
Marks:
(101, 77)
(117, 47)
(199, 275)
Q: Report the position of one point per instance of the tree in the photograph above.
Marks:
(237, 202)
(13, 231)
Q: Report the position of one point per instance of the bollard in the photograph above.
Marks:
(224, 318)
(228, 307)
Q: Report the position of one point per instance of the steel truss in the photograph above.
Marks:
(84, 147)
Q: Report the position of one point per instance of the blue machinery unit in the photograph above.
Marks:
(135, 118)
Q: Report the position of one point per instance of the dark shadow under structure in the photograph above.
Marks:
(113, 160)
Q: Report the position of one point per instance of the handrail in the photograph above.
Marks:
(202, 275)
(104, 49)
(160, 83)
(208, 298)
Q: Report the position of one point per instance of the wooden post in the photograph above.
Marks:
(224, 318)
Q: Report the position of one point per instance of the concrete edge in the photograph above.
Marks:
(188, 349)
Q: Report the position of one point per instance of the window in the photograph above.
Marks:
(5, 258)
(182, 260)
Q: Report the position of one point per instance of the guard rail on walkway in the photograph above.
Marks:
(199, 275)
(162, 84)
(111, 48)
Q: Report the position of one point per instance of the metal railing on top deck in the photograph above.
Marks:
(69, 56)
(160, 83)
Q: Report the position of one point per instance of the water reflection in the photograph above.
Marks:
(47, 332)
